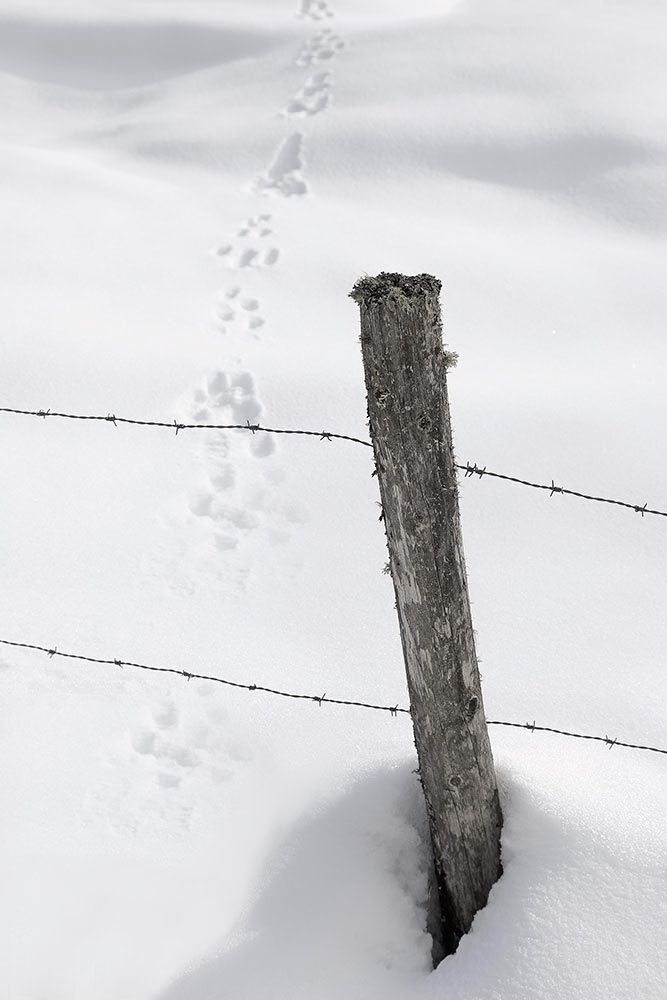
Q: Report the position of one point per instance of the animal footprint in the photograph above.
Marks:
(240, 311)
(259, 223)
(324, 45)
(248, 246)
(314, 96)
(229, 398)
(235, 393)
(159, 741)
(241, 501)
(283, 175)
(176, 749)
(316, 10)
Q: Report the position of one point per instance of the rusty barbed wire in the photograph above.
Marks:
(323, 699)
(468, 469)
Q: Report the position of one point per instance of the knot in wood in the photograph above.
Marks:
(471, 708)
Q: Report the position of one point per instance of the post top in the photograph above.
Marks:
(370, 290)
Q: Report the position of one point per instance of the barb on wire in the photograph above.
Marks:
(474, 470)
(190, 675)
(179, 426)
(468, 469)
(394, 710)
(532, 727)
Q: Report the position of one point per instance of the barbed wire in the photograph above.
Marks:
(178, 426)
(474, 470)
(191, 675)
(468, 469)
(323, 699)
(611, 742)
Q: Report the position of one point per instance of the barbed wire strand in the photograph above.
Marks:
(474, 470)
(468, 469)
(323, 699)
(178, 426)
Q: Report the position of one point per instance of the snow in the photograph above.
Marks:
(188, 193)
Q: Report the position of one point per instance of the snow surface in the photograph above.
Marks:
(188, 192)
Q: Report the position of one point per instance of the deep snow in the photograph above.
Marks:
(189, 191)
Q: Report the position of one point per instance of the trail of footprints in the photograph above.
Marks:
(285, 173)
(239, 495)
(323, 46)
(241, 501)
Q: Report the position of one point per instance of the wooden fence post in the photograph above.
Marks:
(405, 368)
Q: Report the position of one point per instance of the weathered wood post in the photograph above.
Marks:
(405, 369)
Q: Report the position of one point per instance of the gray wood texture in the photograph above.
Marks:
(405, 369)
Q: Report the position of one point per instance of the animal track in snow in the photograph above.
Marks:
(249, 247)
(237, 311)
(238, 498)
(259, 222)
(175, 749)
(316, 10)
(322, 46)
(185, 744)
(314, 96)
(283, 175)
(234, 393)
